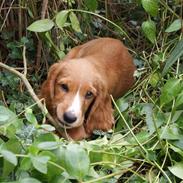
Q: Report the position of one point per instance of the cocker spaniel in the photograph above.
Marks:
(77, 90)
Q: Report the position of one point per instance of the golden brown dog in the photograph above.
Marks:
(77, 90)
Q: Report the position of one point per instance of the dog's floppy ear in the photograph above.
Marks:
(48, 87)
(101, 114)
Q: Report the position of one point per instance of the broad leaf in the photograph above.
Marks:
(61, 18)
(48, 145)
(30, 116)
(176, 53)
(40, 163)
(122, 104)
(174, 26)
(29, 180)
(154, 79)
(91, 4)
(149, 29)
(170, 90)
(25, 164)
(177, 169)
(6, 116)
(13, 146)
(170, 132)
(74, 22)
(76, 161)
(9, 156)
(48, 127)
(151, 7)
(41, 25)
(179, 100)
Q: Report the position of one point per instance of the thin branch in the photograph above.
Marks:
(39, 47)
(6, 16)
(34, 96)
(24, 61)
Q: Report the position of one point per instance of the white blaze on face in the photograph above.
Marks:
(76, 105)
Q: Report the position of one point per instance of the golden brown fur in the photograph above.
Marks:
(102, 67)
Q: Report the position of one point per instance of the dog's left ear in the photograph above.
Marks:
(101, 114)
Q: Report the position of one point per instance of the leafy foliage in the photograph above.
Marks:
(146, 143)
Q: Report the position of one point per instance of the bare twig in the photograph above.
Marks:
(6, 16)
(20, 20)
(24, 61)
(34, 96)
(39, 47)
(1, 7)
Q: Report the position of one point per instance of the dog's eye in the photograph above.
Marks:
(88, 95)
(64, 87)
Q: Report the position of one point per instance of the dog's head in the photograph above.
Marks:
(76, 95)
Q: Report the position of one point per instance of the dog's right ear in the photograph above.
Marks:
(48, 87)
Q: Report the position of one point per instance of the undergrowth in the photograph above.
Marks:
(146, 145)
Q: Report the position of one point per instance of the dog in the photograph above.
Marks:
(78, 88)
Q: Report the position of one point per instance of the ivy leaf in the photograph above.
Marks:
(61, 18)
(74, 22)
(151, 7)
(40, 163)
(6, 116)
(149, 29)
(41, 25)
(170, 90)
(177, 169)
(9, 156)
(174, 26)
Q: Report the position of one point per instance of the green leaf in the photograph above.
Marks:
(29, 180)
(149, 29)
(177, 150)
(6, 116)
(151, 7)
(61, 18)
(176, 53)
(25, 164)
(122, 104)
(170, 90)
(174, 26)
(177, 169)
(40, 163)
(14, 146)
(61, 179)
(48, 145)
(154, 79)
(179, 100)
(152, 119)
(170, 132)
(91, 4)
(74, 22)
(41, 25)
(30, 116)
(9, 156)
(76, 161)
(48, 127)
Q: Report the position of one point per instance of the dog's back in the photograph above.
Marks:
(112, 59)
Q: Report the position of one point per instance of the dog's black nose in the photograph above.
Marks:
(69, 117)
